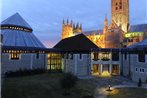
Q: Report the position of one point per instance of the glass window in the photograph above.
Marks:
(54, 62)
(105, 56)
(95, 56)
(141, 57)
(14, 56)
(115, 56)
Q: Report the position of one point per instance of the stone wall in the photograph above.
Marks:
(137, 67)
(77, 66)
(26, 61)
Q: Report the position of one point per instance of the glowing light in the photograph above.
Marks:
(113, 92)
(133, 34)
(105, 74)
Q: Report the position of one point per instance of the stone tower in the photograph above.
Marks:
(77, 28)
(70, 29)
(67, 29)
(120, 13)
(105, 30)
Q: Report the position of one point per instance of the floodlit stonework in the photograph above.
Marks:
(112, 35)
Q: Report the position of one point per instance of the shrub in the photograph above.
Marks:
(24, 72)
(67, 82)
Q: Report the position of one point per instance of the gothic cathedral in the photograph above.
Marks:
(112, 36)
(120, 13)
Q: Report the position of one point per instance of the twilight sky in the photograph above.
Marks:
(45, 16)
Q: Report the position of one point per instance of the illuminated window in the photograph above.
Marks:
(16, 28)
(95, 56)
(15, 56)
(105, 56)
(54, 61)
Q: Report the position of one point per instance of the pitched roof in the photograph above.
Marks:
(16, 20)
(138, 28)
(142, 44)
(93, 32)
(76, 43)
(20, 38)
(16, 37)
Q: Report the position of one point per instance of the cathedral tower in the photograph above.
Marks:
(67, 29)
(120, 13)
(77, 28)
(70, 29)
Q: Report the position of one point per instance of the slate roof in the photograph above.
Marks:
(16, 20)
(17, 37)
(142, 44)
(138, 28)
(76, 43)
(93, 32)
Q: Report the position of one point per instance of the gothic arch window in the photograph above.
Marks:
(116, 3)
(120, 4)
(120, 7)
(116, 8)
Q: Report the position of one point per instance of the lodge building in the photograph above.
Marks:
(76, 54)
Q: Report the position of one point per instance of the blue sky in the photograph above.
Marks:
(45, 16)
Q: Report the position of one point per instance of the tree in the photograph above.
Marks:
(68, 82)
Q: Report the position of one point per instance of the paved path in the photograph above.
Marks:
(101, 92)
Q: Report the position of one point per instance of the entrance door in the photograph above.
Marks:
(105, 68)
(115, 69)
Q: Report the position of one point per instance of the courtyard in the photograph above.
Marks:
(47, 85)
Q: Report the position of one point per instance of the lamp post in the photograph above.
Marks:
(109, 86)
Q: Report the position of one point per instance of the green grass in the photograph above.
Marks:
(128, 93)
(43, 86)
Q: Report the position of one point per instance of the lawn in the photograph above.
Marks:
(128, 93)
(43, 86)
